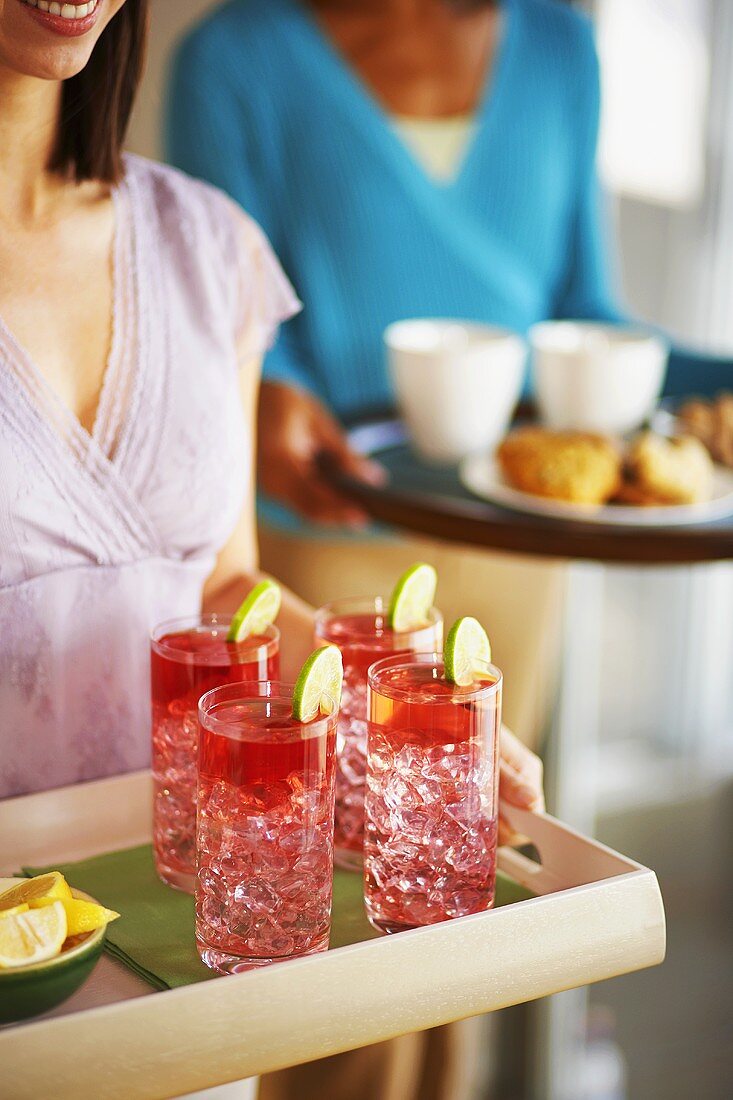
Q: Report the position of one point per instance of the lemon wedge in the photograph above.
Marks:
(81, 916)
(32, 936)
(16, 909)
(51, 885)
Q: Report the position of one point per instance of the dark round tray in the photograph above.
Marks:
(432, 501)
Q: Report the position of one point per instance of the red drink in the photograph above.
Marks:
(188, 658)
(264, 830)
(431, 797)
(359, 628)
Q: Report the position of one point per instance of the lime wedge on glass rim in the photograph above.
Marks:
(318, 687)
(412, 598)
(256, 612)
(466, 651)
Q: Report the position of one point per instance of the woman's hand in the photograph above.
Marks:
(520, 781)
(295, 433)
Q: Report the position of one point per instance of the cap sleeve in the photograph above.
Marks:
(262, 296)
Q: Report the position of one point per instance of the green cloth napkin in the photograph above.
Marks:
(154, 935)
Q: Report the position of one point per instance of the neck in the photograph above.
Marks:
(28, 121)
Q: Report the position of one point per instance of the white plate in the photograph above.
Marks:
(482, 475)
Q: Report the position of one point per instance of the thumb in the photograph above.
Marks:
(515, 789)
(520, 773)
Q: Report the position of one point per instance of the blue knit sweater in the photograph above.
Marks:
(262, 105)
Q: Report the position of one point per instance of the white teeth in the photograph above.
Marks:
(65, 11)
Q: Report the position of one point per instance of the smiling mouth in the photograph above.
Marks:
(68, 13)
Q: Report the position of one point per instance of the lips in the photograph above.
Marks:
(65, 19)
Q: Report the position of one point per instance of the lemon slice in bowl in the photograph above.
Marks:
(16, 909)
(81, 916)
(257, 611)
(412, 597)
(32, 936)
(318, 687)
(50, 885)
(466, 651)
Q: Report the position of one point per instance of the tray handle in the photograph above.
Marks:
(567, 858)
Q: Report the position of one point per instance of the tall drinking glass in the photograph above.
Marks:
(431, 793)
(189, 657)
(264, 835)
(359, 628)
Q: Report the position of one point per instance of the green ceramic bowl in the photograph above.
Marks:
(30, 990)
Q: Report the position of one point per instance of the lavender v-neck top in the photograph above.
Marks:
(104, 534)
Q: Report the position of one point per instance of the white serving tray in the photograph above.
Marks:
(598, 915)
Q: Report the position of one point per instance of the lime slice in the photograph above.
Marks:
(412, 598)
(256, 612)
(467, 649)
(318, 687)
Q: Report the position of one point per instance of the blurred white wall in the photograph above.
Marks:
(671, 729)
(667, 155)
(169, 20)
(655, 66)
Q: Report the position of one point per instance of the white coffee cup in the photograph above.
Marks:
(596, 377)
(457, 383)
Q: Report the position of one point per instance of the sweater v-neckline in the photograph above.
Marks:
(377, 120)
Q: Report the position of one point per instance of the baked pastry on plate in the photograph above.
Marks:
(575, 466)
(666, 470)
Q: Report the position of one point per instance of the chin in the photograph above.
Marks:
(59, 63)
(47, 48)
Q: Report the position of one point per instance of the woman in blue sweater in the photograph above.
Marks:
(406, 158)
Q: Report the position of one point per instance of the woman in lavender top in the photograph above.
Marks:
(135, 307)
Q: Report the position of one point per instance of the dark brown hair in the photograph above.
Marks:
(96, 103)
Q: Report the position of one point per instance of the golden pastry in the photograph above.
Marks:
(661, 470)
(575, 466)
